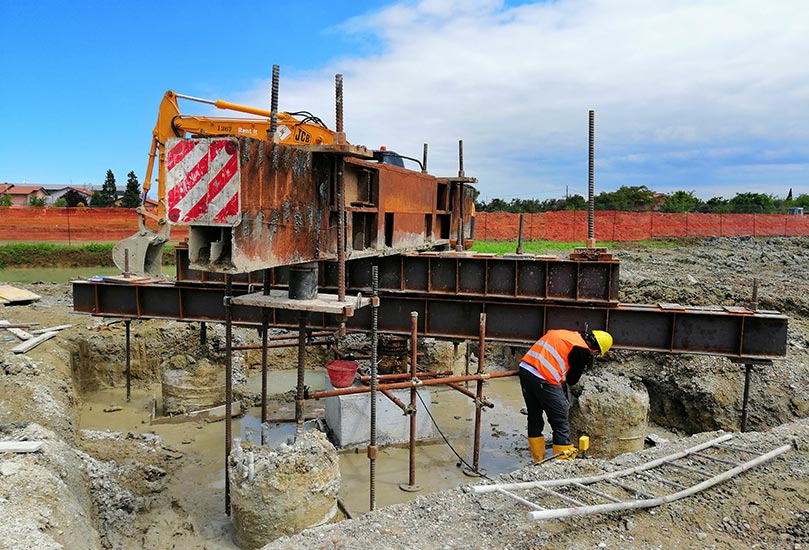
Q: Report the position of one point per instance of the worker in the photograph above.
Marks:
(559, 357)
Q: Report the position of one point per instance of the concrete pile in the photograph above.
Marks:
(276, 492)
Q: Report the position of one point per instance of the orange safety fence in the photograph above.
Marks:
(571, 226)
(81, 224)
(28, 223)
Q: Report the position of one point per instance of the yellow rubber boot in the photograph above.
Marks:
(537, 446)
(568, 450)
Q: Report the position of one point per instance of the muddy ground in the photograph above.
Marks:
(136, 487)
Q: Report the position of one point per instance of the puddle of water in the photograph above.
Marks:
(503, 445)
(62, 274)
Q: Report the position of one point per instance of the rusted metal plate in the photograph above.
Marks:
(252, 204)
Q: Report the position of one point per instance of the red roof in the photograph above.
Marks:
(24, 189)
(5, 187)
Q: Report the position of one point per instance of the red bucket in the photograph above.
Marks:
(341, 373)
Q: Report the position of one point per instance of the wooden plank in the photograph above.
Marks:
(324, 303)
(213, 414)
(28, 345)
(19, 333)
(14, 295)
(132, 279)
(50, 329)
(20, 446)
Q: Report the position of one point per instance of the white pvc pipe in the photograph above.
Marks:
(639, 504)
(608, 475)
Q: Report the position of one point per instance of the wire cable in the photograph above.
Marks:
(444, 437)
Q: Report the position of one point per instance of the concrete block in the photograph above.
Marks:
(349, 418)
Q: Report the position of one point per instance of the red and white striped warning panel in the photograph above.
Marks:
(202, 181)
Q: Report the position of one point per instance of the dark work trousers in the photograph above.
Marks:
(541, 396)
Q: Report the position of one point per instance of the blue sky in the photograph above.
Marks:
(710, 97)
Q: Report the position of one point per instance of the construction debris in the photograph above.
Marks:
(20, 446)
(28, 345)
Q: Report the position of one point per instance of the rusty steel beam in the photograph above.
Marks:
(450, 274)
(737, 333)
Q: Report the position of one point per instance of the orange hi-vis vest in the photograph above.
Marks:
(547, 358)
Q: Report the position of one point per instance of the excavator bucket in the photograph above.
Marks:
(141, 254)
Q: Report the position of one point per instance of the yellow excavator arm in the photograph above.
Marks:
(308, 130)
(141, 253)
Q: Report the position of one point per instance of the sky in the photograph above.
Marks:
(707, 96)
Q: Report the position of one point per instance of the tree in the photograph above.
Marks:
(752, 203)
(636, 198)
(575, 202)
(33, 200)
(714, 205)
(680, 201)
(73, 198)
(105, 197)
(60, 202)
(5, 200)
(131, 198)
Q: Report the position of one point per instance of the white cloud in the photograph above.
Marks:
(668, 79)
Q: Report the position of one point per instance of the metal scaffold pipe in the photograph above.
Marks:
(299, 398)
(127, 324)
(411, 486)
(372, 448)
(228, 383)
(479, 397)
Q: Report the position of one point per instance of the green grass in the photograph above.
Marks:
(557, 247)
(59, 255)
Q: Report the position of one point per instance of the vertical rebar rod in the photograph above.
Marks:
(299, 398)
(424, 160)
(338, 104)
(591, 184)
(459, 242)
(228, 384)
(748, 368)
(265, 326)
(203, 334)
(754, 302)
(341, 248)
(479, 393)
(414, 342)
(467, 359)
(127, 324)
(274, 104)
(372, 450)
(340, 184)
(520, 233)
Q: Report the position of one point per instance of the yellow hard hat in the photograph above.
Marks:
(604, 340)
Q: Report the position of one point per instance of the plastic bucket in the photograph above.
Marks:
(341, 373)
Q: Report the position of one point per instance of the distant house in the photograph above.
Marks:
(21, 195)
(55, 192)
